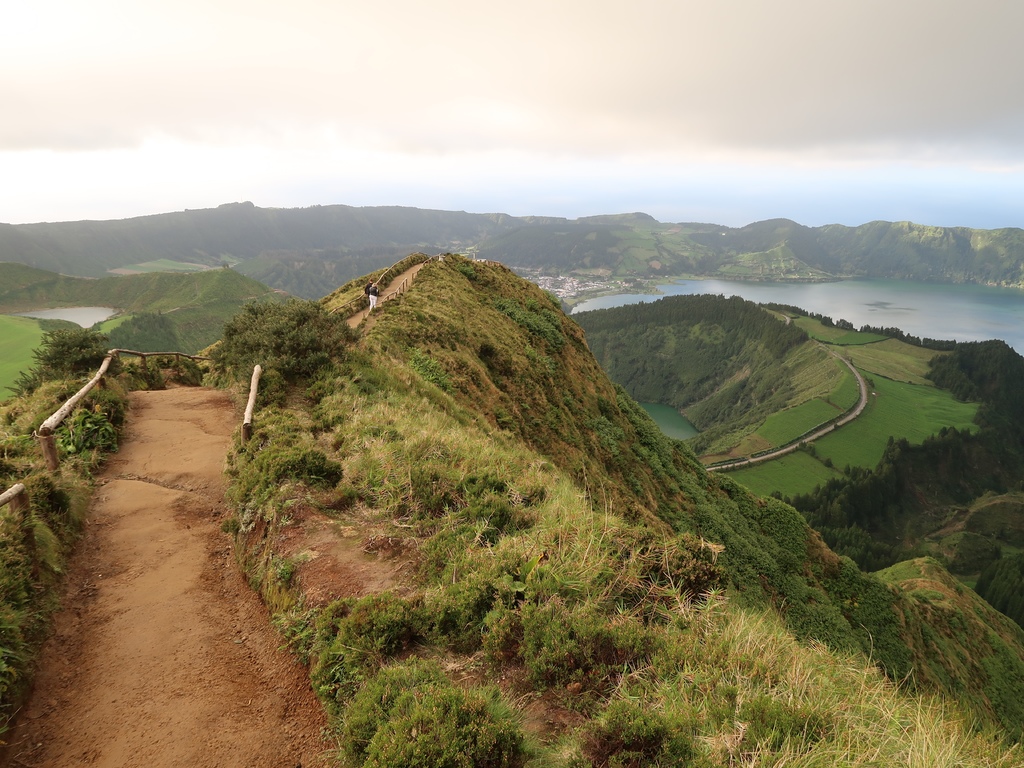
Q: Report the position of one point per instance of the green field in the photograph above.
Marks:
(898, 409)
(833, 391)
(785, 426)
(18, 337)
(894, 359)
(832, 335)
(165, 265)
(894, 408)
(108, 325)
(791, 474)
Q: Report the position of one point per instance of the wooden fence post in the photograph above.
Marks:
(254, 385)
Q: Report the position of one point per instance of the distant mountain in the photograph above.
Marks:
(310, 251)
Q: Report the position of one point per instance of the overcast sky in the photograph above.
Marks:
(722, 111)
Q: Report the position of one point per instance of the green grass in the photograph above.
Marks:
(522, 488)
(165, 265)
(108, 325)
(18, 337)
(785, 426)
(833, 335)
(894, 409)
(898, 409)
(794, 473)
(894, 359)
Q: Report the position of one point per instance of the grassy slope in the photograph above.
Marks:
(474, 429)
(18, 337)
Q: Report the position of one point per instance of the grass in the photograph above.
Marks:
(108, 325)
(785, 426)
(894, 359)
(37, 544)
(894, 409)
(165, 265)
(18, 337)
(794, 473)
(838, 336)
(714, 680)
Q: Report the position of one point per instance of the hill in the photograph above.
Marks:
(728, 363)
(930, 468)
(310, 251)
(461, 503)
(168, 311)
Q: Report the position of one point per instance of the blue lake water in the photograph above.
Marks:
(932, 310)
(86, 317)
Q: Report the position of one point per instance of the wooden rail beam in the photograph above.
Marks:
(17, 497)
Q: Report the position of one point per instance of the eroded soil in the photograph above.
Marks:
(162, 655)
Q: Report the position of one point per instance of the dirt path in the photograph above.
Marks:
(163, 656)
(387, 293)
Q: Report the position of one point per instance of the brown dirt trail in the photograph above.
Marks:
(162, 655)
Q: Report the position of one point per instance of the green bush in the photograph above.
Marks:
(66, 353)
(297, 338)
(309, 465)
(629, 734)
(411, 716)
(86, 430)
(355, 637)
(580, 646)
(772, 724)
(430, 369)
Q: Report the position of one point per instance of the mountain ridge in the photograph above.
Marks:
(310, 251)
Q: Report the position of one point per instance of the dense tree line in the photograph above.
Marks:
(1002, 585)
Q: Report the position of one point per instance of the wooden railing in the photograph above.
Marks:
(397, 292)
(359, 301)
(45, 433)
(17, 497)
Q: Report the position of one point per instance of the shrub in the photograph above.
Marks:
(297, 338)
(355, 637)
(772, 724)
(86, 430)
(628, 734)
(63, 354)
(431, 370)
(581, 647)
(458, 611)
(411, 715)
(295, 463)
(539, 321)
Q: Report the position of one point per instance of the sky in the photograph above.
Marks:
(719, 111)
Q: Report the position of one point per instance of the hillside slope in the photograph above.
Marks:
(464, 497)
(192, 307)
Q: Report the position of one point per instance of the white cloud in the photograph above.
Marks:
(203, 101)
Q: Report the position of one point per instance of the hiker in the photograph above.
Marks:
(372, 292)
(366, 289)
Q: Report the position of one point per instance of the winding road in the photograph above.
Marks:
(846, 419)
